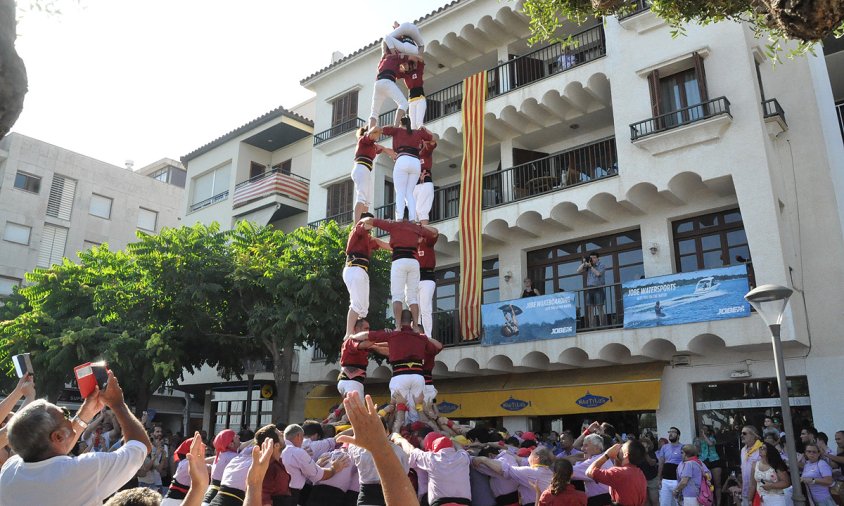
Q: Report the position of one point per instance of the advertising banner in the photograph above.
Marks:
(686, 297)
(529, 319)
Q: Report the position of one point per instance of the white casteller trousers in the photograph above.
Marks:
(357, 282)
(426, 304)
(404, 280)
(405, 176)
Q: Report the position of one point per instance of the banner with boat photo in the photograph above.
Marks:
(686, 297)
(529, 319)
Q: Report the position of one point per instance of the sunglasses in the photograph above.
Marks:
(66, 414)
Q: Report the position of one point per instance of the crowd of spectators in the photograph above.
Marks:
(104, 454)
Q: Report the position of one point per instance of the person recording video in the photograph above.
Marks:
(596, 292)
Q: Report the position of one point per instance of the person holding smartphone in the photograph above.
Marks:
(595, 294)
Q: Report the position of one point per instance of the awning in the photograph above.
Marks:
(590, 390)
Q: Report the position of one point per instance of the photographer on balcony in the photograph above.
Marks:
(595, 290)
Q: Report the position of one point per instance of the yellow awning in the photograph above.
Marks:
(590, 390)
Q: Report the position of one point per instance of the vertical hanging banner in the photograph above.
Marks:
(474, 100)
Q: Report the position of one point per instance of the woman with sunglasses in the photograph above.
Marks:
(770, 477)
(817, 475)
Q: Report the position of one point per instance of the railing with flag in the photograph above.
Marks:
(270, 183)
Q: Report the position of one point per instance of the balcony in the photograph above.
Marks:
(338, 130)
(272, 183)
(688, 126)
(209, 201)
(341, 219)
(774, 117)
(517, 73)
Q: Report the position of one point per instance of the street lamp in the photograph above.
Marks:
(770, 302)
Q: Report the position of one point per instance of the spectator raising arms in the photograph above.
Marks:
(42, 434)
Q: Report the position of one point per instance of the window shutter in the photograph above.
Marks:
(51, 249)
(700, 74)
(653, 85)
(60, 203)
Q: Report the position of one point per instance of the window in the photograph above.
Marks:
(256, 169)
(100, 206)
(62, 192)
(554, 269)
(86, 244)
(341, 201)
(51, 249)
(17, 233)
(147, 219)
(7, 284)
(447, 298)
(162, 175)
(389, 192)
(211, 184)
(344, 108)
(677, 90)
(27, 182)
(283, 167)
(710, 241)
(490, 281)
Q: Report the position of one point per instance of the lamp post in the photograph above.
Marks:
(770, 302)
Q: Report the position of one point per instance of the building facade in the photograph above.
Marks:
(665, 156)
(258, 172)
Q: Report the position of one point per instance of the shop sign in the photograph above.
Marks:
(590, 401)
(512, 404)
(529, 319)
(686, 297)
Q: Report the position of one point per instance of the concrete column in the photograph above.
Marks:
(656, 231)
(207, 423)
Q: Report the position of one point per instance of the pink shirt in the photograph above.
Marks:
(234, 475)
(300, 466)
(448, 472)
(500, 485)
(526, 476)
(220, 466)
(592, 488)
(341, 478)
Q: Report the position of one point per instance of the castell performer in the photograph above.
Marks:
(407, 352)
(367, 150)
(423, 193)
(359, 248)
(404, 269)
(226, 444)
(354, 358)
(405, 38)
(389, 68)
(427, 281)
(406, 143)
(413, 79)
(180, 485)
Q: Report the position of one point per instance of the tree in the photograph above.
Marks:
(291, 289)
(806, 21)
(13, 82)
(152, 312)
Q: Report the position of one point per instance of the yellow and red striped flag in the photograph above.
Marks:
(474, 99)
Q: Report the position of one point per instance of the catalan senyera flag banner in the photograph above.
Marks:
(474, 99)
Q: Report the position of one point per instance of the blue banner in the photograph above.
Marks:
(528, 319)
(686, 297)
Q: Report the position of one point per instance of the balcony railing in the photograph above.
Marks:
(772, 109)
(338, 130)
(636, 7)
(209, 201)
(680, 117)
(274, 182)
(318, 355)
(341, 219)
(517, 73)
(558, 171)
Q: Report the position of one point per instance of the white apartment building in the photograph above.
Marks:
(55, 202)
(258, 172)
(665, 155)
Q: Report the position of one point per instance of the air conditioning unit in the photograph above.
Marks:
(681, 361)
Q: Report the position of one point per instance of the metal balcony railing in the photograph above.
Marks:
(772, 109)
(318, 355)
(680, 117)
(209, 201)
(341, 219)
(274, 182)
(337, 130)
(517, 73)
(636, 7)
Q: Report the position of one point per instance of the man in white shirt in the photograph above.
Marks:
(42, 435)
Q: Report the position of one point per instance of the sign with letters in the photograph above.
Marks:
(529, 319)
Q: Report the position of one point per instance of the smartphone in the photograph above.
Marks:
(23, 364)
(100, 374)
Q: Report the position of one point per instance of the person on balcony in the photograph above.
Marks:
(407, 144)
(389, 68)
(427, 258)
(404, 269)
(595, 294)
(359, 247)
(413, 79)
(365, 153)
(424, 190)
(405, 39)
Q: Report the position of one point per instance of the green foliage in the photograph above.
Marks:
(775, 25)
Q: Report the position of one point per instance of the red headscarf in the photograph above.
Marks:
(222, 442)
(183, 449)
(441, 443)
(428, 442)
